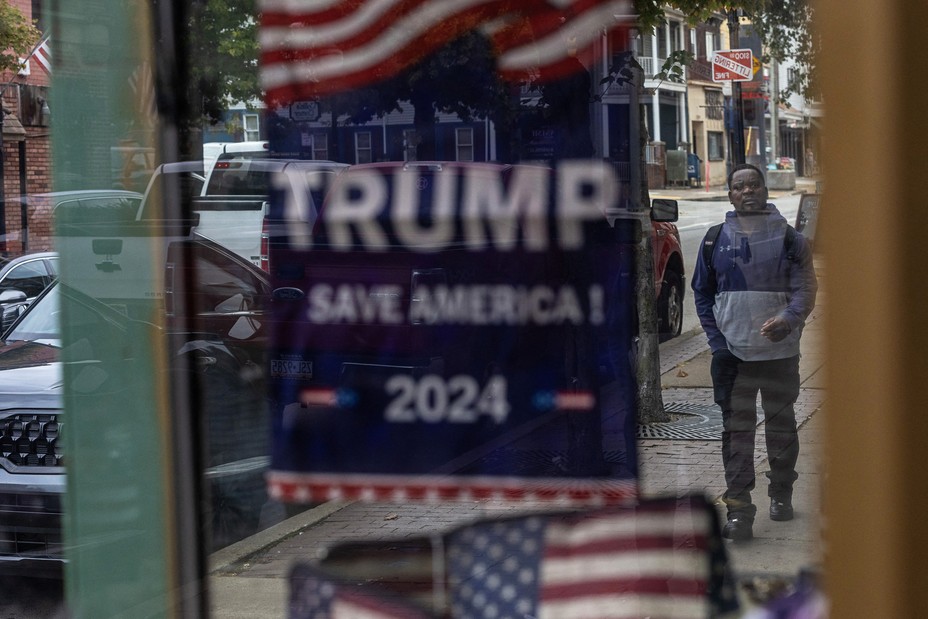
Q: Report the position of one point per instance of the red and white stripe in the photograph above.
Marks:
(638, 563)
(143, 88)
(312, 487)
(311, 48)
(42, 54)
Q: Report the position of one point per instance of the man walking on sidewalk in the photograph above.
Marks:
(754, 287)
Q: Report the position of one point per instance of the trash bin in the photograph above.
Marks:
(693, 165)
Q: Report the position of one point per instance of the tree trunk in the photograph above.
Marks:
(648, 370)
(648, 367)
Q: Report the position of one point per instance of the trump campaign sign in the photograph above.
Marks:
(734, 65)
(448, 330)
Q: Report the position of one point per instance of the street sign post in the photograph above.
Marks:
(735, 65)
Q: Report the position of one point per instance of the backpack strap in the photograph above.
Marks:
(789, 243)
(708, 244)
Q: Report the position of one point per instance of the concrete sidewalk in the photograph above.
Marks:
(249, 578)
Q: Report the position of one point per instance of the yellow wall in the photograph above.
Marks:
(873, 236)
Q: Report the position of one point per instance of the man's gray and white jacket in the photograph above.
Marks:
(754, 277)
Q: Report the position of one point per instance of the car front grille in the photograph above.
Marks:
(30, 525)
(31, 440)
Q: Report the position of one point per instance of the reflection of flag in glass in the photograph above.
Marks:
(310, 49)
(647, 561)
(660, 558)
(142, 85)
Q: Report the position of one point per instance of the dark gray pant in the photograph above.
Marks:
(736, 385)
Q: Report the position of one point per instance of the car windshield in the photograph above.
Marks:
(42, 322)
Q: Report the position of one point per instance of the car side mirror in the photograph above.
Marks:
(664, 210)
(12, 296)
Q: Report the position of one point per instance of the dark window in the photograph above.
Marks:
(362, 147)
(661, 33)
(37, 16)
(465, 144)
(30, 277)
(715, 106)
(714, 142)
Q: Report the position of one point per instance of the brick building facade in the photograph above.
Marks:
(26, 152)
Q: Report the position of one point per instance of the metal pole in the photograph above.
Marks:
(24, 222)
(2, 181)
(737, 137)
(773, 97)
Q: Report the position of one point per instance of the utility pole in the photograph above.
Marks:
(737, 138)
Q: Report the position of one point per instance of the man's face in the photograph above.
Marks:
(748, 193)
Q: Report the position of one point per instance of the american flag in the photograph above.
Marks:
(660, 558)
(312, 48)
(142, 84)
(42, 54)
(652, 560)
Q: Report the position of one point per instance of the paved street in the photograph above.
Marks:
(249, 578)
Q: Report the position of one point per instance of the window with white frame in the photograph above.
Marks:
(661, 34)
(362, 147)
(252, 127)
(464, 144)
(710, 45)
(676, 42)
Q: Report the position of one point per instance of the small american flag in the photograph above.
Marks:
(652, 560)
(319, 47)
(42, 54)
(660, 558)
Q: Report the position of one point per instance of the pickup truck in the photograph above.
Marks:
(231, 201)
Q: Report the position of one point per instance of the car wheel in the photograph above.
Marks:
(670, 306)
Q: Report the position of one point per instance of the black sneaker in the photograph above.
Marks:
(738, 529)
(781, 510)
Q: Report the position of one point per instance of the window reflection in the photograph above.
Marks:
(209, 339)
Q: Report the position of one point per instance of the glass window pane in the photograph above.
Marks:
(30, 278)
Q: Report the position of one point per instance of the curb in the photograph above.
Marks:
(225, 559)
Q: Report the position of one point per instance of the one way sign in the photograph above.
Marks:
(734, 65)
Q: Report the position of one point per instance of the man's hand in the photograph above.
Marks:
(775, 329)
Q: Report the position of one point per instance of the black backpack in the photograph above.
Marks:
(712, 235)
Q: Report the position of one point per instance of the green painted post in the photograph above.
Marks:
(119, 514)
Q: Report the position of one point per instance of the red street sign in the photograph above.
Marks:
(734, 65)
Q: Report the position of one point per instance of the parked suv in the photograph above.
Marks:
(225, 354)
